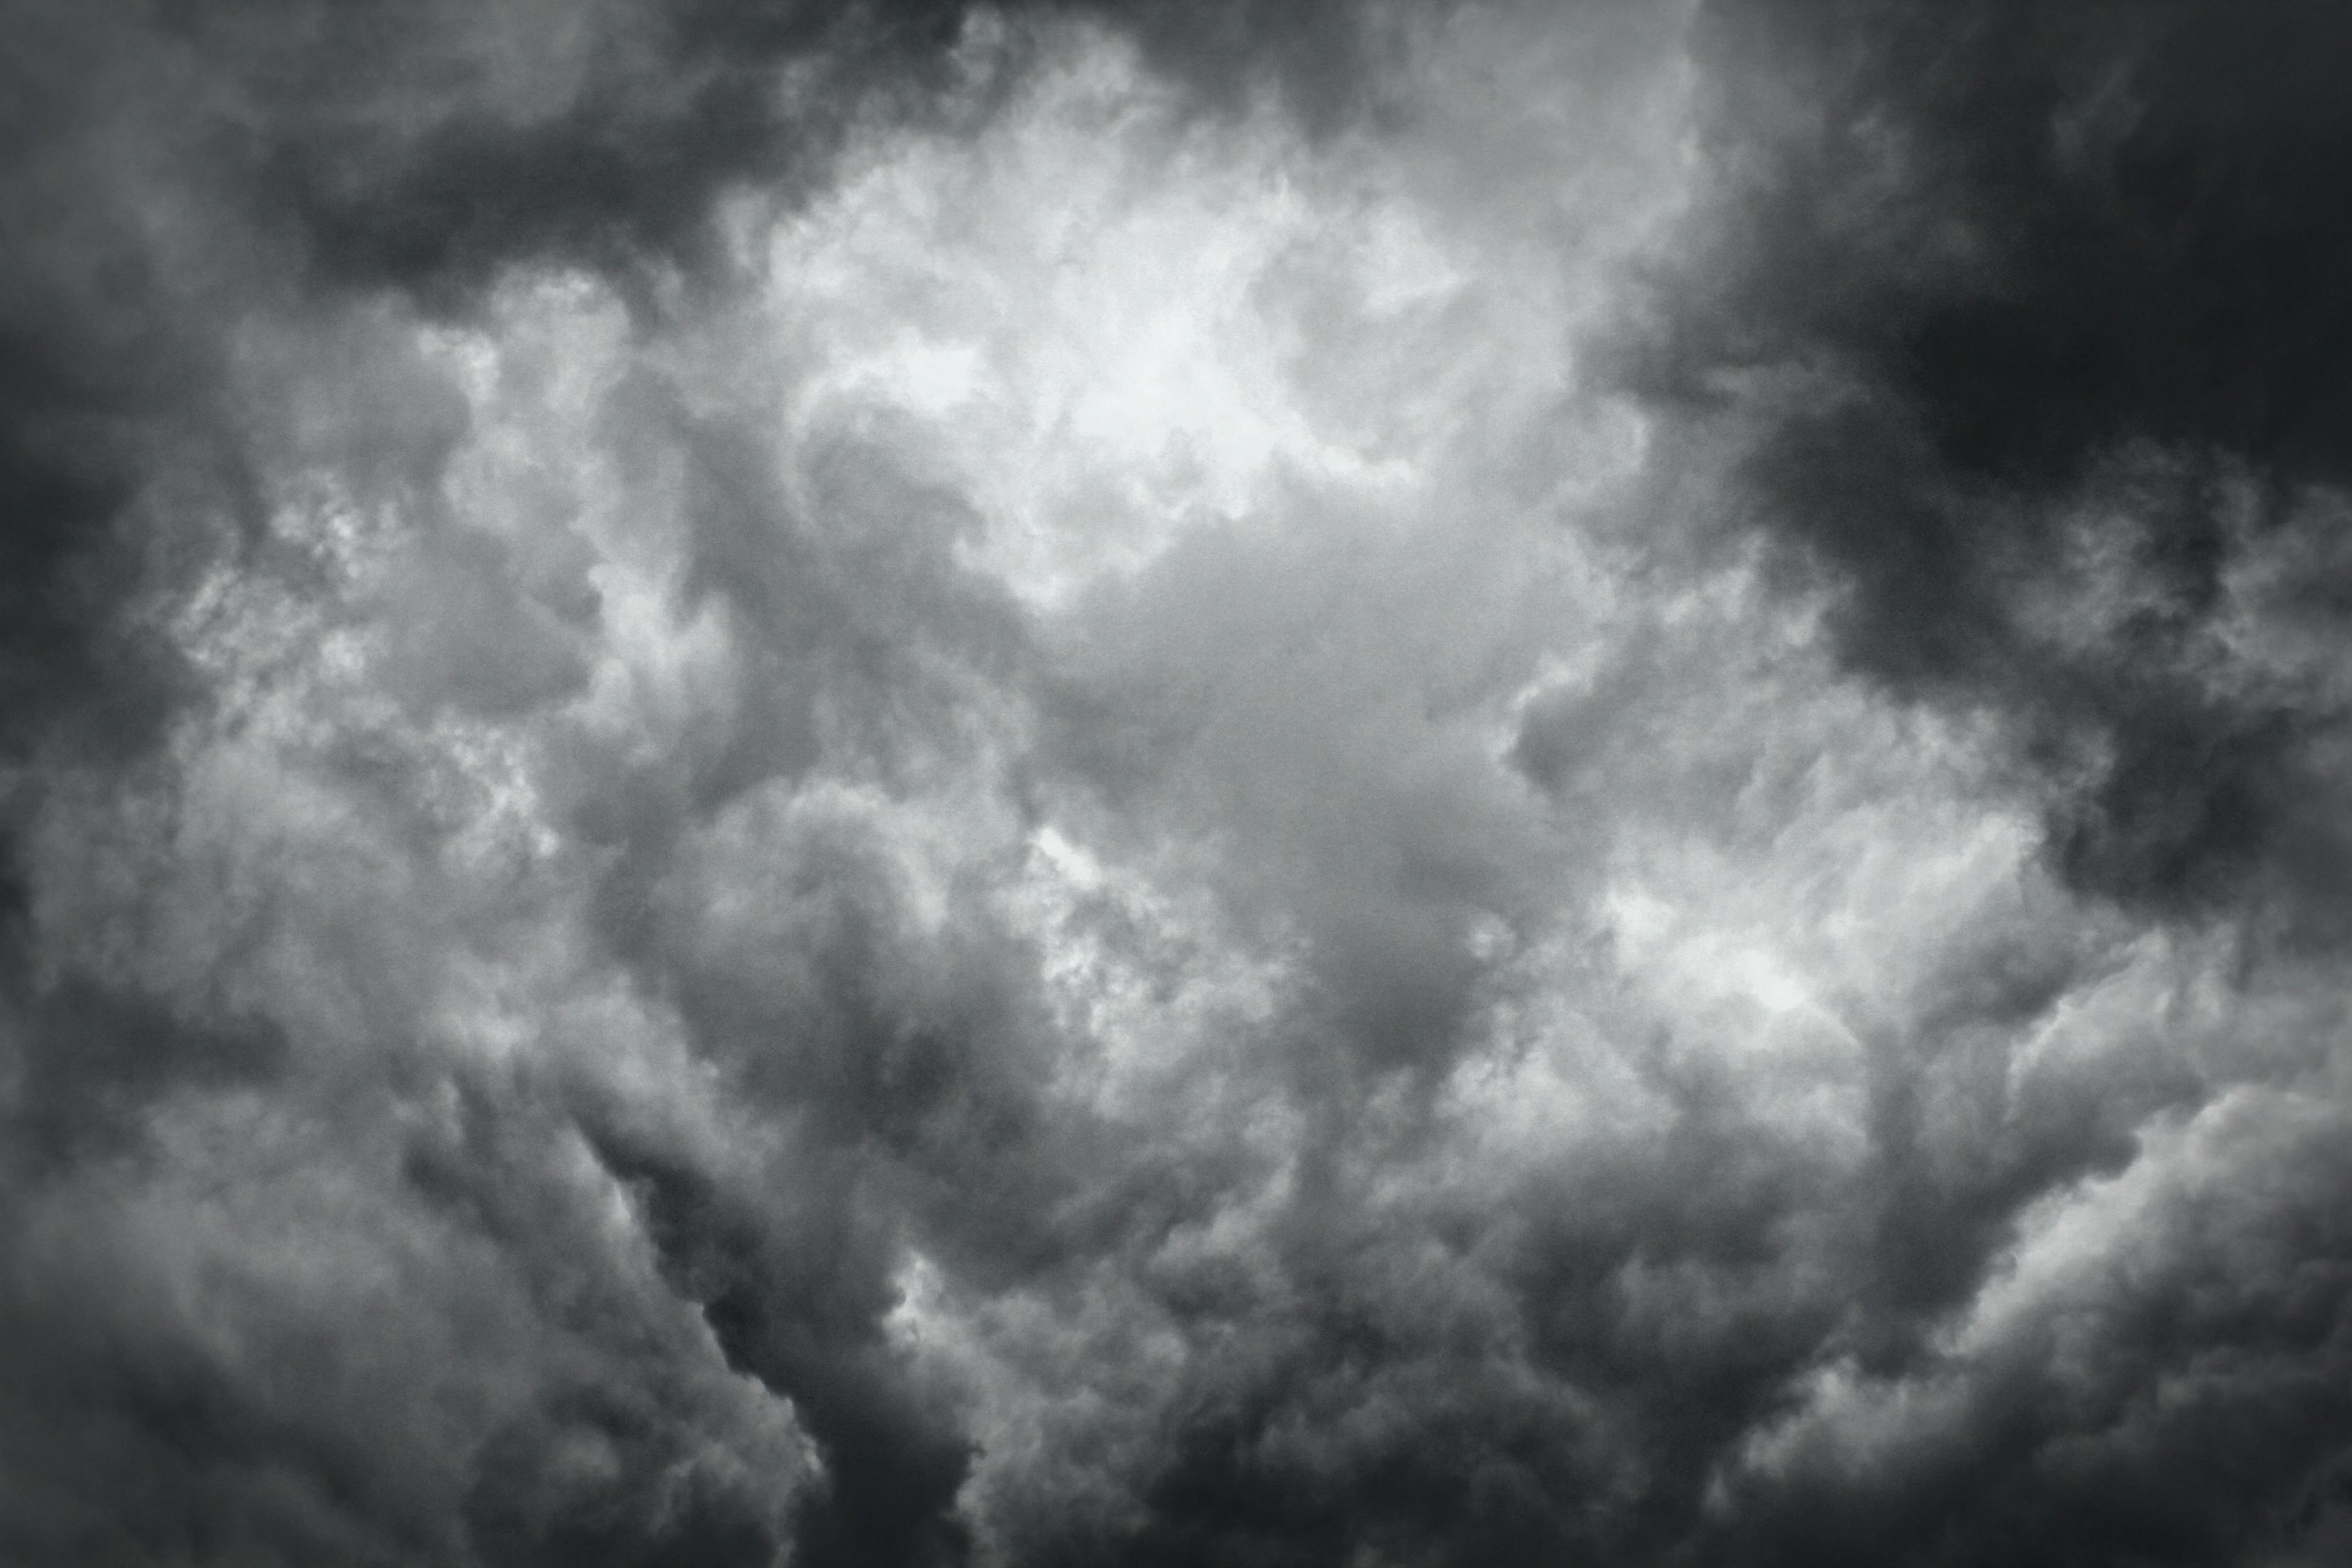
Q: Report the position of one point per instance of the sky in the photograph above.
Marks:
(1283, 783)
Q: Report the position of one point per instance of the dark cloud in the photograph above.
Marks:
(92, 1055)
(2036, 279)
(1322, 59)
(194, 194)
(1273, 783)
(593, 1486)
(438, 174)
(801, 1310)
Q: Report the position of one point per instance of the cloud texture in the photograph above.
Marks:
(1272, 783)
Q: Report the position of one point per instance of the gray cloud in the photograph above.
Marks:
(1265, 784)
(2044, 289)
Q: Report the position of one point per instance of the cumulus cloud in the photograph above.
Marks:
(1266, 784)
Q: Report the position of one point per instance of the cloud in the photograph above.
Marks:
(2033, 293)
(1266, 784)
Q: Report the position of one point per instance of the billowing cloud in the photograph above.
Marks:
(1264, 784)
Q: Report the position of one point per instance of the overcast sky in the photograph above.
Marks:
(1258, 784)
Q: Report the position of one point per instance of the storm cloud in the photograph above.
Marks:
(1275, 783)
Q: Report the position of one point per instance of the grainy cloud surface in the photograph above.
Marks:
(1276, 783)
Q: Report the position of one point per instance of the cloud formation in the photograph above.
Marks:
(1261, 783)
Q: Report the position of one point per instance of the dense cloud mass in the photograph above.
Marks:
(1120, 786)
